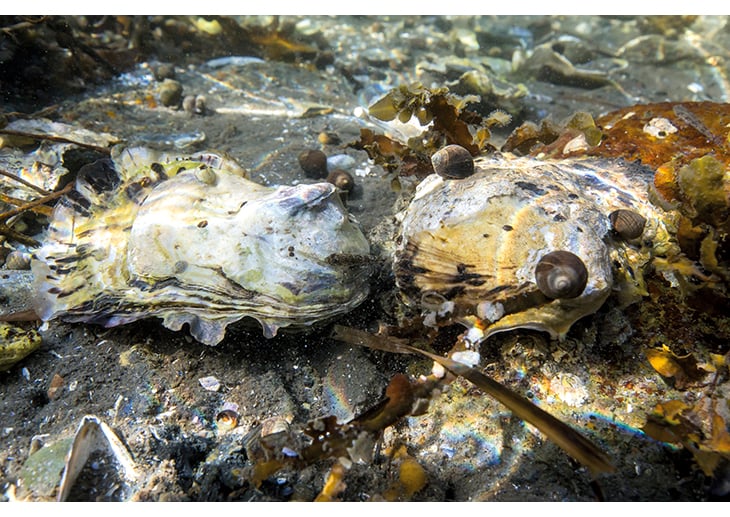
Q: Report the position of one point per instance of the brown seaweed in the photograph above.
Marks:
(572, 442)
(450, 123)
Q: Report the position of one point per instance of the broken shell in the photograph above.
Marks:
(210, 383)
(561, 274)
(314, 163)
(453, 161)
(274, 425)
(192, 241)
(92, 436)
(18, 260)
(226, 420)
(343, 180)
(627, 223)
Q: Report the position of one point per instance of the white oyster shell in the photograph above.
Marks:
(191, 240)
(469, 247)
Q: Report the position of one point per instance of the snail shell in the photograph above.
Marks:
(627, 223)
(226, 420)
(453, 161)
(561, 274)
(343, 180)
(314, 163)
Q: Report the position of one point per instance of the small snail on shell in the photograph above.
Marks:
(627, 223)
(343, 180)
(561, 274)
(453, 161)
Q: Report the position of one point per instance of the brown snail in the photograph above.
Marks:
(453, 161)
(627, 223)
(314, 163)
(343, 180)
(561, 274)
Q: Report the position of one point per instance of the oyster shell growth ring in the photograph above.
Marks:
(192, 240)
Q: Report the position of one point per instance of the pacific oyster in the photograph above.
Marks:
(191, 240)
(469, 248)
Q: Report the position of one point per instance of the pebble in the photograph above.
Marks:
(341, 161)
(163, 71)
(171, 93)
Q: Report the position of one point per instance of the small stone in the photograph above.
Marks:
(188, 104)
(341, 161)
(200, 105)
(163, 71)
(171, 93)
(56, 386)
(210, 383)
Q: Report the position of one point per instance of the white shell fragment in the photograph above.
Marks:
(475, 242)
(92, 436)
(193, 241)
(210, 383)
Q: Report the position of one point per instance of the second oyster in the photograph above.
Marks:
(477, 247)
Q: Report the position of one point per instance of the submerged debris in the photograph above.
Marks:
(57, 469)
(702, 425)
(569, 440)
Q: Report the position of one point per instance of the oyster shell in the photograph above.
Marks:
(469, 248)
(191, 240)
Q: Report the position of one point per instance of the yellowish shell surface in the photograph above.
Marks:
(469, 247)
(191, 240)
(15, 344)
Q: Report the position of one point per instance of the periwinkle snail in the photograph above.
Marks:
(561, 274)
(627, 223)
(453, 161)
(314, 163)
(343, 180)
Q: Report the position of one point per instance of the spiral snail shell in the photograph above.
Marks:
(561, 274)
(453, 161)
(343, 180)
(627, 223)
